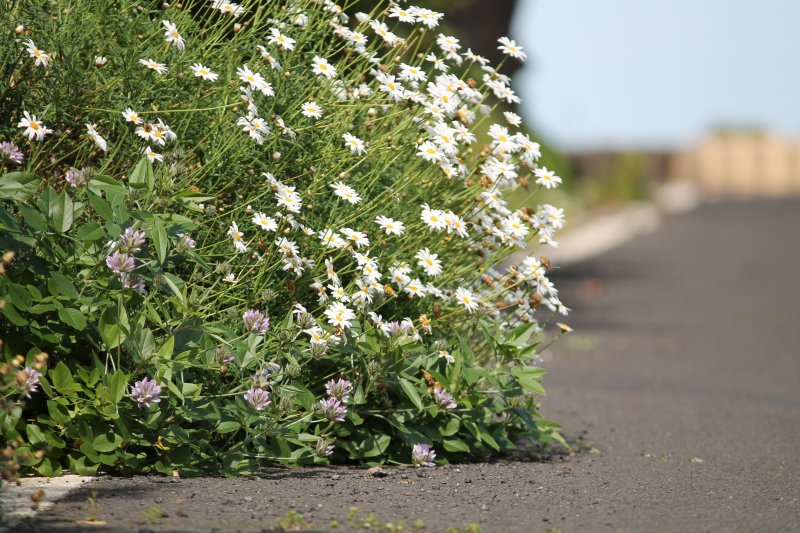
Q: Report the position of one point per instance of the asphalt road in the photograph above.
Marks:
(683, 377)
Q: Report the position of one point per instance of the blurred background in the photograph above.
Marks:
(627, 96)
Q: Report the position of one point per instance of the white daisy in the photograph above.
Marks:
(42, 58)
(339, 315)
(238, 237)
(511, 48)
(131, 116)
(346, 192)
(312, 110)
(281, 41)
(34, 128)
(355, 144)
(204, 72)
(172, 35)
(467, 299)
(161, 68)
(151, 155)
(389, 225)
(96, 137)
(264, 222)
(321, 67)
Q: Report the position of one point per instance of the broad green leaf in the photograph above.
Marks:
(113, 326)
(61, 377)
(411, 392)
(58, 284)
(228, 426)
(107, 442)
(452, 427)
(101, 206)
(33, 217)
(18, 186)
(160, 240)
(62, 211)
(455, 445)
(142, 175)
(73, 318)
(35, 435)
(90, 232)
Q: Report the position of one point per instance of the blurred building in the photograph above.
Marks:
(721, 164)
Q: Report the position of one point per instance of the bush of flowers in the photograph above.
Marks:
(263, 233)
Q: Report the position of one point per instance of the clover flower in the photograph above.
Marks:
(185, 243)
(130, 241)
(11, 153)
(255, 321)
(323, 449)
(120, 263)
(423, 455)
(28, 379)
(258, 398)
(146, 392)
(339, 389)
(332, 408)
(443, 399)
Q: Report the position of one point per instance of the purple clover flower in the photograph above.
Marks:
(332, 408)
(323, 449)
(340, 389)
(146, 392)
(11, 153)
(258, 398)
(255, 321)
(185, 243)
(423, 455)
(223, 354)
(131, 240)
(31, 380)
(76, 178)
(120, 263)
(443, 399)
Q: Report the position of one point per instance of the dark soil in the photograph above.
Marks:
(682, 379)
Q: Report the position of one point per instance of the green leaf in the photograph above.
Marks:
(115, 191)
(18, 186)
(101, 207)
(35, 435)
(59, 284)
(142, 175)
(160, 240)
(455, 445)
(50, 467)
(228, 426)
(61, 376)
(13, 316)
(107, 442)
(452, 427)
(411, 392)
(90, 232)
(73, 318)
(81, 465)
(113, 326)
(61, 211)
(33, 217)
(58, 412)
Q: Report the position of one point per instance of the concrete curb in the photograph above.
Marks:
(602, 233)
(15, 499)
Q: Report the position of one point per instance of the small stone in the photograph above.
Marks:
(158, 499)
(335, 477)
(377, 471)
(248, 498)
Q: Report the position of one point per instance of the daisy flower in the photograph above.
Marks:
(411, 73)
(511, 48)
(42, 58)
(321, 67)
(331, 239)
(358, 238)
(204, 72)
(429, 152)
(403, 15)
(255, 127)
(131, 116)
(96, 137)
(151, 155)
(227, 7)
(467, 299)
(339, 315)
(355, 144)
(264, 222)
(281, 41)
(346, 192)
(415, 288)
(34, 128)
(238, 237)
(429, 262)
(161, 68)
(172, 35)
(512, 118)
(434, 218)
(390, 226)
(312, 110)
(546, 178)
(428, 18)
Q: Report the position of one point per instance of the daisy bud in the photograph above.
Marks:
(20, 29)
(237, 28)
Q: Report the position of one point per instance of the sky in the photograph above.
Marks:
(654, 73)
